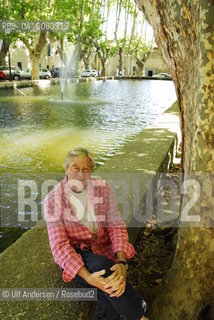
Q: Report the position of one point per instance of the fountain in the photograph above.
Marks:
(69, 60)
(63, 68)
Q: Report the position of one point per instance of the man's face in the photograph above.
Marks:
(78, 172)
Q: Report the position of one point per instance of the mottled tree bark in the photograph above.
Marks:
(103, 73)
(77, 54)
(86, 62)
(60, 49)
(141, 60)
(121, 64)
(35, 66)
(35, 53)
(3, 52)
(103, 54)
(184, 33)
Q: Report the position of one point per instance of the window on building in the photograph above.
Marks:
(19, 65)
(150, 73)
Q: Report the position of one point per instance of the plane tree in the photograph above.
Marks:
(34, 41)
(184, 33)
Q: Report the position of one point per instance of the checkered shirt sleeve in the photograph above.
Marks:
(63, 252)
(116, 228)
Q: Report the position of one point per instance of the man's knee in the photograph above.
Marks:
(100, 262)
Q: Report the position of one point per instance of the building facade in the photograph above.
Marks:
(50, 58)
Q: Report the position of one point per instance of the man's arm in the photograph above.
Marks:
(116, 227)
(62, 250)
(121, 247)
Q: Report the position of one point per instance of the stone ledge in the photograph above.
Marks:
(31, 83)
(135, 165)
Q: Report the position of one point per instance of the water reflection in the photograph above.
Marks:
(97, 115)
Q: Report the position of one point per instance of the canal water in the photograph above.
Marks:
(38, 129)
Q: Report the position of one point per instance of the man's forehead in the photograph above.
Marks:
(81, 162)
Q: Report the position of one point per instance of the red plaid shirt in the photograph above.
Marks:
(66, 233)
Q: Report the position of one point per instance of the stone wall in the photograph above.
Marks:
(156, 62)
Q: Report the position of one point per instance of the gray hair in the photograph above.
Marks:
(78, 153)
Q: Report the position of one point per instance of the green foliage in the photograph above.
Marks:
(89, 21)
(138, 46)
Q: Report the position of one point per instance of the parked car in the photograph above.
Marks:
(55, 72)
(89, 73)
(43, 74)
(163, 75)
(58, 72)
(26, 74)
(15, 72)
(95, 72)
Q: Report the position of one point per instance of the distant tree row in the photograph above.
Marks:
(91, 21)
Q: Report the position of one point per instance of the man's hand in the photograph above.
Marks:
(116, 282)
(96, 280)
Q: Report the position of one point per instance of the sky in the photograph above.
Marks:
(147, 32)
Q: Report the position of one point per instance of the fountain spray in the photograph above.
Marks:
(69, 58)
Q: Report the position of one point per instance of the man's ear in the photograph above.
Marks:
(66, 171)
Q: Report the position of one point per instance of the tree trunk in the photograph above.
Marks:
(3, 52)
(60, 49)
(103, 73)
(36, 54)
(77, 55)
(134, 21)
(35, 67)
(121, 59)
(140, 67)
(127, 13)
(103, 54)
(183, 31)
(86, 62)
(118, 13)
(140, 61)
(79, 52)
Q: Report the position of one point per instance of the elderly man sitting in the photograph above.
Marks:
(89, 240)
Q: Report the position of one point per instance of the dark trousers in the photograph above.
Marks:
(129, 305)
